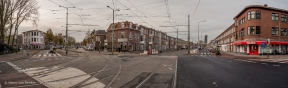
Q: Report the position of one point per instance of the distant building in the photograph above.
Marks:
(33, 39)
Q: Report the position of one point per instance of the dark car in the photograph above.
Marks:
(53, 50)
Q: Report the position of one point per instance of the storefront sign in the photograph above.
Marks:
(251, 43)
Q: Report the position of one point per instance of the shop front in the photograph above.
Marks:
(258, 47)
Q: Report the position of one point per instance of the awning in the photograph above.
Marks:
(259, 42)
(36, 43)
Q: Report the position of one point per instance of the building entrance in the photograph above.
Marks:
(253, 49)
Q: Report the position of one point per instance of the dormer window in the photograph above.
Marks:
(130, 26)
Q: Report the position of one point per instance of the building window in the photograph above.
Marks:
(130, 36)
(251, 30)
(284, 18)
(34, 39)
(251, 15)
(242, 33)
(37, 33)
(274, 31)
(136, 37)
(274, 17)
(258, 30)
(258, 14)
(122, 34)
(283, 32)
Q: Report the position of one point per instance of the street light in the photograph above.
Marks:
(198, 31)
(113, 27)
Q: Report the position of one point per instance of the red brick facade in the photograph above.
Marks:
(253, 26)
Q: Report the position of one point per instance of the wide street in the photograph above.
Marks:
(90, 69)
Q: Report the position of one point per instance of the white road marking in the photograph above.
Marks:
(49, 55)
(62, 74)
(39, 55)
(170, 68)
(44, 55)
(14, 66)
(282, 62)
(276, 65)
(264, 63)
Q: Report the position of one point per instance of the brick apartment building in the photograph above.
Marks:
(253, 26)
(134, 37)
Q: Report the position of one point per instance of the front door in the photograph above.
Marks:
(253, 49)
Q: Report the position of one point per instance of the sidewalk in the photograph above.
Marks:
(17, 56)
(238, 55)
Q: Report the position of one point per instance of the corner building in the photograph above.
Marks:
(253, 26)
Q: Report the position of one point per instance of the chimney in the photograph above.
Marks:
(265, 5)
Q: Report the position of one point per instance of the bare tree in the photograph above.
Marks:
(14, 12)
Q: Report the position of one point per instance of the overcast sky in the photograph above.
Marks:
(151, 13)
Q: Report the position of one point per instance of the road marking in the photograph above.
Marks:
(44, 55)
(170, 68)
(276, 65)
(264, 63)
(39, 55)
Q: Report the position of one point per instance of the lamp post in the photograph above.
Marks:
(66, 27)
(113, 27)
(198, 31)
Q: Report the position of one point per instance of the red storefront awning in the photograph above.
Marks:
(259, 42)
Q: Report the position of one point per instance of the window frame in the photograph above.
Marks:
(276, 31)
(283, 18)
(282, 30)
(275, 17)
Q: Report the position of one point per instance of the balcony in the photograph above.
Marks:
(122, 39)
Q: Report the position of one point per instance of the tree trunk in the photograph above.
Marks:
(10, 30)
(14, 36)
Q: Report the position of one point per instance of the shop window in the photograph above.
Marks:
(283, 32)
(274, 31)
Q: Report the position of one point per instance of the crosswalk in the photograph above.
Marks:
(40, 55)
(204, 54)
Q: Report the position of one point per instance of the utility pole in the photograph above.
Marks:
(177, 39)
(66, 49)
(113, 27)
(189, 34)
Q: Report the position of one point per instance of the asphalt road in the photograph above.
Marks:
(90, 69)
(207, 71)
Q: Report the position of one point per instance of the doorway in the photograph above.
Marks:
(253, 49)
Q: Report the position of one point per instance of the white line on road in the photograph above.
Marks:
(276, 65)
(170, 68)
(264, 63)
